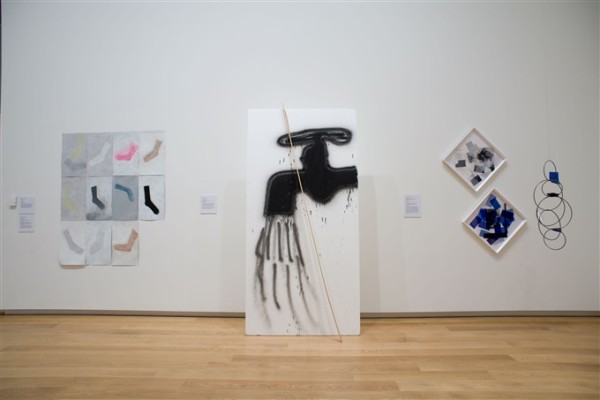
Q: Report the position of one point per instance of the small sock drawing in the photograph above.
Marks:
(127, 153)
(72, 245)
(129, 244)
(154, 152)
(125, 189)
(148, 201)
(97, 245)
(78, 150)
(75, 165)
(95, 198)
(67, 200)
(98, 159)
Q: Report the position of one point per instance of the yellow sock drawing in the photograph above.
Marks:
(78, 151)
(68, 201)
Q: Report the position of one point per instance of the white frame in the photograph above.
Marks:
(467, 172)
(515, 227)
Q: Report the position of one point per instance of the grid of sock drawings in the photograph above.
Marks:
(110, 181)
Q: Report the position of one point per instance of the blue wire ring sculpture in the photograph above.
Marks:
(553, 211)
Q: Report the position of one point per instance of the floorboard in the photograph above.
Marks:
(146, 357)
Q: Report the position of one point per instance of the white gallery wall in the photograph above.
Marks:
(419, 75)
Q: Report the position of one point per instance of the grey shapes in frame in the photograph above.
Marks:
(475, 159)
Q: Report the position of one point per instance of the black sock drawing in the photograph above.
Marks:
(95, 198)
(72, 245)
(148, 201)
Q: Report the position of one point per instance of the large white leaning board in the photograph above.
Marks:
(286, 294)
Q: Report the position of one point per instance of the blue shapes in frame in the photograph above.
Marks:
(494, 220)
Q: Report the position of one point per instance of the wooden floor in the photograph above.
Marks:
(119, 357)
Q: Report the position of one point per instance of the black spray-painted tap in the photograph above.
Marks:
(319, 180)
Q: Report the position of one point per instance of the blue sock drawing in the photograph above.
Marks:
(125, 189)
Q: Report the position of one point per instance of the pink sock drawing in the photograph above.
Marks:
(127, 153)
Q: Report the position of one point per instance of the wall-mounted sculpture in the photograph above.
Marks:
(552, 210)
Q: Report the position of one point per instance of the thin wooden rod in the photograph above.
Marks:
(307, 214)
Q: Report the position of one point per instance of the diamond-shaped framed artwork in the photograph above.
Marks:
(475, 159)
(495, 221)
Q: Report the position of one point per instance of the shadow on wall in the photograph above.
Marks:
(233, 263)
(369, 254)
(380, 193)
